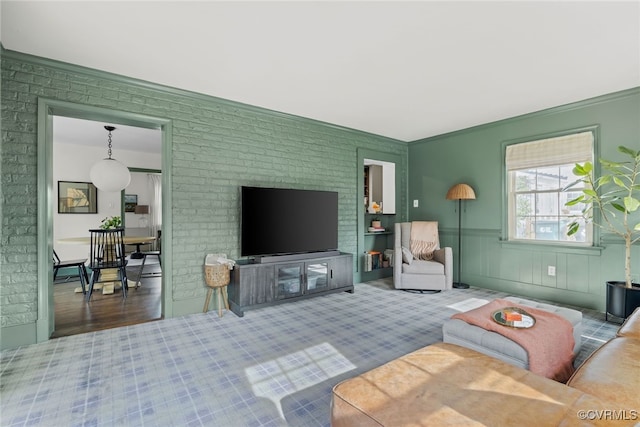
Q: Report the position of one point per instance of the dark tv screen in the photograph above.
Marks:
(288, 221)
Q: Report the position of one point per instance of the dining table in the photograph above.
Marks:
(109, 278)
(127, 240)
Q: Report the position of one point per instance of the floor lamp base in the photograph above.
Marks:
(458, 285)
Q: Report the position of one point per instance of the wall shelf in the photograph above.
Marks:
(381, 180)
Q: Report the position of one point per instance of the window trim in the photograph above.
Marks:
(504, 212)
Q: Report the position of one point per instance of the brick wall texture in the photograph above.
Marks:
(218, 146)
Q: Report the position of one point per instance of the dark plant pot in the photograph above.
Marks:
(621, 301)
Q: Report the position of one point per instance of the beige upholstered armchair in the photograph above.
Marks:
(411, 273)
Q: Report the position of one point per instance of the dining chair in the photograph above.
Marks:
(107, 253)
(79, 263)
(157, 253)
(137, 254)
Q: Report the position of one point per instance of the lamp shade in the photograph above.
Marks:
(110, 175)
(461, 192)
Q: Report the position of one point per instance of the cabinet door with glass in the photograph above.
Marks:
(289, 280)
(317, 276)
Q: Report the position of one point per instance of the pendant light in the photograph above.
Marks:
(109, 174)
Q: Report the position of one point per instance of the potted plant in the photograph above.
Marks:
(111, 222)
(616, 196)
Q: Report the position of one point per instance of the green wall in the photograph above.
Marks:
(474, 156)
(217, 146)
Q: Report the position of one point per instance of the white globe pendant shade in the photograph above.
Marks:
(110, 175)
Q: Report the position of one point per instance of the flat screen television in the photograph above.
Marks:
(277, 221)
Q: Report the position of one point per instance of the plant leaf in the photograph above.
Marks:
(604, 179)
(628, 151)
(619, 182)
(611, 164)
(570, 186)
(619, 207)
(631, 204)
(575, 201)
(573, 228)
(582, 170)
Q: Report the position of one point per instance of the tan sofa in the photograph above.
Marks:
(445, 384)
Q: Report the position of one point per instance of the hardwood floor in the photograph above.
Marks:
(73, 315)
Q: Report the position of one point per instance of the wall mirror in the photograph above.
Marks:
(379, 186)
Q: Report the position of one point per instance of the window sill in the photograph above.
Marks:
(553, 247)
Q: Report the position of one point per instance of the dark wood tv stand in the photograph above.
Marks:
(256, 285)
(292, 257)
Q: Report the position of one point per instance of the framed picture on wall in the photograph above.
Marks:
(77, 198)
(130, 202)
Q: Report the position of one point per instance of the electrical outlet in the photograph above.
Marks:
(551, 270)
(415, 203)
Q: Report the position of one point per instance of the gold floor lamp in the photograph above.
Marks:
(460, 192)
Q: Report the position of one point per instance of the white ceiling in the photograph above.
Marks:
(407, 70)
(88, 132)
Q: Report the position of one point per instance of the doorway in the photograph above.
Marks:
(77, 145)
(48, 111)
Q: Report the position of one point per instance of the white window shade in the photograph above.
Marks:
(574, 148)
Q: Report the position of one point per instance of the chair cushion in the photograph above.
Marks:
(407, 256)
(423, 267)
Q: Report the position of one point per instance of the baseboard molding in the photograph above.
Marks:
(16, 336)
(194, 306)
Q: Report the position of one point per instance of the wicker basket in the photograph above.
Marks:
(216, 275)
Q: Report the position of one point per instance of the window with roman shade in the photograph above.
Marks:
(537, 172)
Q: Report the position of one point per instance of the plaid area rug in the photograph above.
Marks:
(275, 366)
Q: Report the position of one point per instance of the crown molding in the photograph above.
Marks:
(196, 96)
(541, 113)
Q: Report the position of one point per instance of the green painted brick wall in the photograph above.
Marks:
(218, 146)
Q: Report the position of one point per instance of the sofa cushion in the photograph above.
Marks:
(423, 267)
(631, 326)
(444, 384)
(611, 373)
